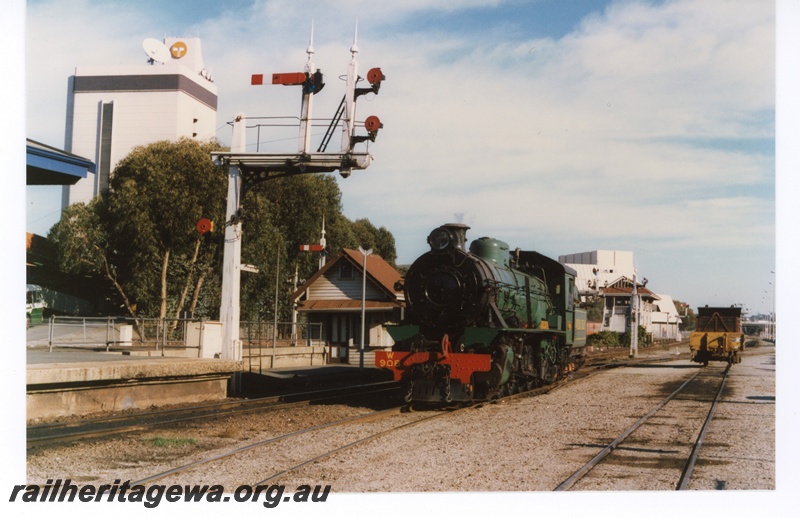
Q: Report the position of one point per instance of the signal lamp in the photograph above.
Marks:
(205, 225)
(375, 76)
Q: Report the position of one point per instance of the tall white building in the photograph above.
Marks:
(599, 268)
(110, 110)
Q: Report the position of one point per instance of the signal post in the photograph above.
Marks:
(248, 169)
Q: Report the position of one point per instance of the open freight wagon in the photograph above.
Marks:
(718, 335)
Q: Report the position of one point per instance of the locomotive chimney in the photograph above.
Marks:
(459, 232)
(448, 237)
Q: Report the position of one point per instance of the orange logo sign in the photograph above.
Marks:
(178, 49)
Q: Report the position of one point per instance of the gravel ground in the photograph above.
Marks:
(534, 444)
(529, 444)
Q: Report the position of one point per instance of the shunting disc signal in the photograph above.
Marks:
(205, 225)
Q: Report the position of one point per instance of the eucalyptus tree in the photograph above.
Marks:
(156, 197)
(141, 233)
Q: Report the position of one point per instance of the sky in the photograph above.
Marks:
(561, 127)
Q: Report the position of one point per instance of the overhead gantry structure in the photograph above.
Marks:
(246, 169)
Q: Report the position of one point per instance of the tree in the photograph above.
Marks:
(156, 196)
(688, 318)
(595, 309)
(141, 234)
(81, 242)
(283, 213)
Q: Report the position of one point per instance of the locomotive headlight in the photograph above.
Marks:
(439, 239)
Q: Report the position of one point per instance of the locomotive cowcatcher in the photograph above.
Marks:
(484, 322)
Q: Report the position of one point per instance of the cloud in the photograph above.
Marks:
(648, 125)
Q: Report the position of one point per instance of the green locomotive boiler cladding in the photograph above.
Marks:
(521, 299)
(485, 321)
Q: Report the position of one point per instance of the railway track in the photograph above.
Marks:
(356, 445)
(48, 434)
(81, 429)
(686, 471)
(404, 414)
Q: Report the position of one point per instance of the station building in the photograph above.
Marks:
(110, 110)
(332, 300)
(609, 274)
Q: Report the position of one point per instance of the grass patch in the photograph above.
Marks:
(170, 442)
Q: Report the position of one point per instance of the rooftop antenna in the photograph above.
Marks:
(156, 51)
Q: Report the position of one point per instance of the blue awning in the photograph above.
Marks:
(47, 165)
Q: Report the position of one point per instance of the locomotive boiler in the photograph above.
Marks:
(483, 322)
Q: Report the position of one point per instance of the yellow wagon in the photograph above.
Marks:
(718, 335)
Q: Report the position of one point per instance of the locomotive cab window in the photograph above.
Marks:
(574, 296)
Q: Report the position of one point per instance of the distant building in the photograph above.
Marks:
(331, 298)
(110, 110)
(598, 268)
(609, 274)
(657, 313)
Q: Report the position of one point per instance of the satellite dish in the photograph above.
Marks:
(156, 50)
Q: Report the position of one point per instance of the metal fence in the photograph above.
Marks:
(259, 339)
(156, 334)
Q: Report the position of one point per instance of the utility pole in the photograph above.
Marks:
(634, 320)
(277, 286)
(232, 252)
(363, 305)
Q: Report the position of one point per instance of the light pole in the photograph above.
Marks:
(275, 316)
(634, 320)
(363, 305)
(773, 309)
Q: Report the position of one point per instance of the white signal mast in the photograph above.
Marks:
(246, 169)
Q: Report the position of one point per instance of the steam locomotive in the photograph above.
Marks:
(485, 322)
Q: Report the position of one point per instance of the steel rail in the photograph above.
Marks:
(354, 444)
(518, 395)
(687, 470)
(161, 417)
(349, 420)
(251, 446)
(580, 473)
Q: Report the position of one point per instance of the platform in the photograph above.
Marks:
(79, 382)
(279, 381)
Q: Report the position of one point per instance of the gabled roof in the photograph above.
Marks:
(667, 305)
(624, 287)
(379, 272)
